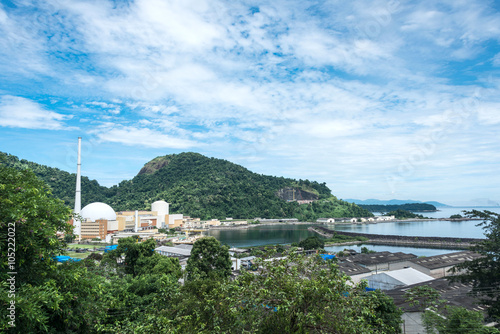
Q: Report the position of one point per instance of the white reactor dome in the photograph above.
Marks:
(160, 206)
(97, 210)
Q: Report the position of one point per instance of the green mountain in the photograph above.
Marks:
(62, 183)
(203, 187)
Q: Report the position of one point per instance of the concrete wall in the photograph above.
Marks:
(172, 218)
(358, 278)
(389, 266)
(412, 323)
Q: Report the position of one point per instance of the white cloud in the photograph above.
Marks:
(356, 84)
(21, 50)
(19, 112)
(142, 137)
(489, 113)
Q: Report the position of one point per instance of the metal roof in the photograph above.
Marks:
(351, 269)
(176, 251)
(379, 257)
(406, 276)
(455, 294)
(445, 260)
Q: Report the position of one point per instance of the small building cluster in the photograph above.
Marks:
(99, 221)
(356, 220)
(381, 267)
(396, 273)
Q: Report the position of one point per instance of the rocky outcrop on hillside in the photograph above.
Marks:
(295, 194)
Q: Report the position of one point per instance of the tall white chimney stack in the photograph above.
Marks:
(78, 193)
(136, 229)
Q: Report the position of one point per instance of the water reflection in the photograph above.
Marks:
(285, 234)
(262, 235)
(436, 228)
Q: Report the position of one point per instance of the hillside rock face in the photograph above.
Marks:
(154, 165)
(295, 194)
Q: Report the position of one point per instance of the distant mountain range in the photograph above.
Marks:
(199, 186)
(372, 201)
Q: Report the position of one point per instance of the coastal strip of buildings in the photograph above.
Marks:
(99, 221)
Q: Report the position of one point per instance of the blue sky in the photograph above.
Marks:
(379, 99)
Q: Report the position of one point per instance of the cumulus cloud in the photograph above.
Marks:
(357, 84)
(19, 112)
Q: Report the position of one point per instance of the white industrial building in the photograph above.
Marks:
(396, 279)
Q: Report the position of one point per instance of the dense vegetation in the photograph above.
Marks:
(484, 272)
(403, 214)
(414, 207)
(439, 317)
(62, 184)
(134, 290)
(340, 238)
(313, 242)
(200, 187)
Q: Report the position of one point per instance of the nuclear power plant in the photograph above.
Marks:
(99, 220)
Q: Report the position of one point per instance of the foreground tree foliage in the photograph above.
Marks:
(484, 272)
(456, 320)
(296, 294)
(33, 217)
(135, 290)
(439, 318)
(48, 297)
(209, 259)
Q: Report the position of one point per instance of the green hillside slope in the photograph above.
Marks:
(200, 187)
(62, 183)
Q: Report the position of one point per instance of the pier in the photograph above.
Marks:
(401, 240)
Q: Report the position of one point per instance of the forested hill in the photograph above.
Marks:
(62, 183)
(200, 187)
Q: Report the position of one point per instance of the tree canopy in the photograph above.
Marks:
(403, 214)
(313, 242)
(484, 272)
(209, 259)
(47, 296)
(33, 217)
(437, 317)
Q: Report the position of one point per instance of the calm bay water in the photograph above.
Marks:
(285, 234)
(262, 235)
(437, 228)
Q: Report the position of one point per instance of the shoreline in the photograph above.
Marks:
(339, 223)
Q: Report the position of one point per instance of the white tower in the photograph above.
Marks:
(136, 228)
(78, 194)
(161, 208)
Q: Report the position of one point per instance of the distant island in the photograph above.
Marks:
(372, 201)
(408, 207)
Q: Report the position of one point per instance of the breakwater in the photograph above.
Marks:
(401, 240)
